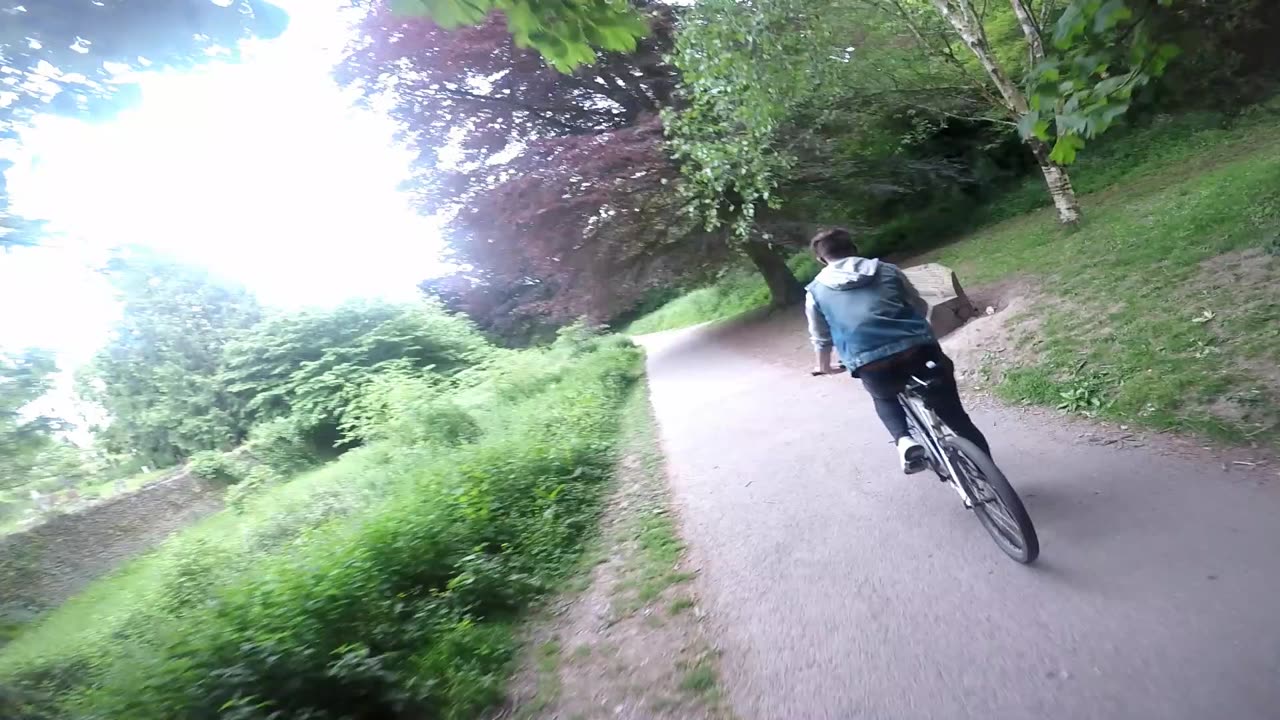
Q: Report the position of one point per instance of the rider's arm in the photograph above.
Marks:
(819, 335)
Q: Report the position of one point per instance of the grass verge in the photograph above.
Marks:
(629, 635)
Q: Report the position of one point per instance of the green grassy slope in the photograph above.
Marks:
(1162, 308)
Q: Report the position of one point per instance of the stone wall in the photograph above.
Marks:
(44, 565)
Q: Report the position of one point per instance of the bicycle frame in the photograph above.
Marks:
(931, 430)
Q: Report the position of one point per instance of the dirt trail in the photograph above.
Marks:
(841, 589)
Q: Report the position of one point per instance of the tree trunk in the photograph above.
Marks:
(962, 17)
(784, 288)
(1059, 182)
(1030, 30)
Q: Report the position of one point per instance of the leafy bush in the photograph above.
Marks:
(16, 705)
(216, 467)
(396, 599)
(254, 481)
(284, 445)
(414, 410)
(315, 363)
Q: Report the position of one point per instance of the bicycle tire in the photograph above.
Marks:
(1029, 550)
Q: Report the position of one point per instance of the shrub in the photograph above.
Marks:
(254, 482)
(410, 410)
(16, 705)
(284, 445)
(216, 467)
(188, 573)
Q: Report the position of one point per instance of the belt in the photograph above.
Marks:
(893, 360)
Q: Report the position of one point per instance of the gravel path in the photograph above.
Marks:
(841, 589)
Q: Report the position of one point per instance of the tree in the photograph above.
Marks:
(1081, 84)
(595, 222)
(470, 98)
(566, 34)
(311, 365)
(72, 57)
(797, 99)
(551, 181)
(1228, 59)
(24, 378)
(158, 377)
(763, 79)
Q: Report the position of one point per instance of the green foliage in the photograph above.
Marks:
(740, 65)
(1103, 54)
(254, 482)
(16, 705)
(1227, 56)
(737, 291)
(817, 111)
(567, 34)
(283, 445)
(1086, 394)
(383, 585)
(24, 378)
(217, 467)
(158, 376)
(191, 368)
(60, 464)
(313, 365)
(417, 410)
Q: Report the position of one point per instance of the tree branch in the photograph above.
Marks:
(1035, 43)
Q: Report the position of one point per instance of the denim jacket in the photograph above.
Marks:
(866, 309)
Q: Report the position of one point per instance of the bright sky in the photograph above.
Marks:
(260, 171)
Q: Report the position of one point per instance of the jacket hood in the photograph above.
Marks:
(848, 273)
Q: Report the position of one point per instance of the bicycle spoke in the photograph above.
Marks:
(990, 502)
(1007, 524)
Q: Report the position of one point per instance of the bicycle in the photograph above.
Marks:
(972, 474)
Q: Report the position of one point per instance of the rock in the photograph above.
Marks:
(991, 310)
(949, 307)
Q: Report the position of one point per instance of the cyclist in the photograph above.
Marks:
(869, 312)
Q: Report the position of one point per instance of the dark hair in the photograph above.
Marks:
(833, 244)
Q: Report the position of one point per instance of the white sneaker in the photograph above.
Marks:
(912, 455)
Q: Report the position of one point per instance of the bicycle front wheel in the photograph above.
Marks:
(997, 506)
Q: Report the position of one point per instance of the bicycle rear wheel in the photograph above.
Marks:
(997, 506)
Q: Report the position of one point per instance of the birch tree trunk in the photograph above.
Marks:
(1059, 182)
(1031, 30)
(962, 17)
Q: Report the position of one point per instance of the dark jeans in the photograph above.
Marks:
(884, 382)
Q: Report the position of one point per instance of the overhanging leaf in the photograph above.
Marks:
(1066, 148)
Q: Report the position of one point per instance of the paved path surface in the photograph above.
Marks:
(842, 589)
